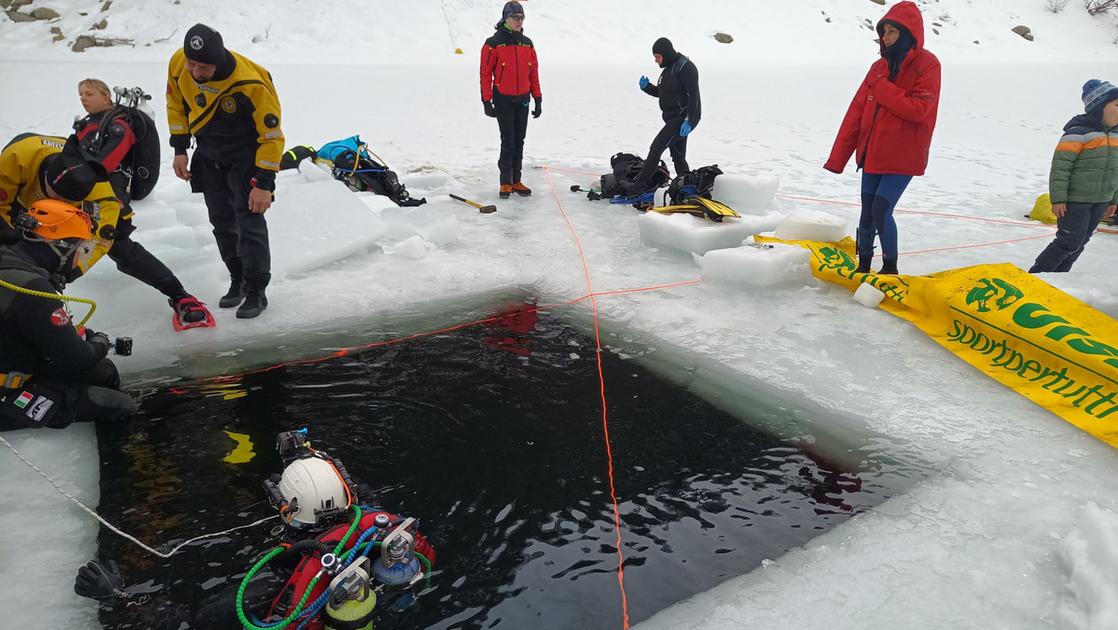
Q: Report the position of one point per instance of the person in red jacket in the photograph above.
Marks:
(888, 127)
(510, 73)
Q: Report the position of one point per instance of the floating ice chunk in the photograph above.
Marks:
(764, 265)
(746, 193)
(687, 233)
(868, 295)
(812, 225)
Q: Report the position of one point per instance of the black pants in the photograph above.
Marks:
(668, 139)
(132, 259)
(1075, 229)
(242, 236)
(53, 401)
(512, 118)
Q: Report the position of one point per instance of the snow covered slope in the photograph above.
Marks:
(571, 32)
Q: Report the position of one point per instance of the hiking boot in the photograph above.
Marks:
(522, 190)
(255, 303)
(888, 267)
(234, 296)
(506, 191)
(864, 263)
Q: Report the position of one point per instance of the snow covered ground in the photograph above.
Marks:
(1017, 527)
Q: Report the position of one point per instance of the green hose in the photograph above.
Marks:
(248, 625)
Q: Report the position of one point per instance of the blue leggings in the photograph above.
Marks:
(880, 194)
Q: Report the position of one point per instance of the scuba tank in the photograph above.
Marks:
(352, 603)
(397, 564)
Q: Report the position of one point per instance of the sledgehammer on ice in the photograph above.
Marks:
(480, 208)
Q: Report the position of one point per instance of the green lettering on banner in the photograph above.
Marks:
(1090, 346)
(1025, 317)
(1030, 365)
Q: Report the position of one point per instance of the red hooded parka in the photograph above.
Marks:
(889, 124)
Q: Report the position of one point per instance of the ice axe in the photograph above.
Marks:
(480, 208)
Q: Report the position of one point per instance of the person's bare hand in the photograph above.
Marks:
(1059, 209)
(182, 169)
(259, 200)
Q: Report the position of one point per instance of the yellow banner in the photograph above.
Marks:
(1019, 330)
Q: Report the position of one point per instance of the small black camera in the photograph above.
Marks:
(123, 346)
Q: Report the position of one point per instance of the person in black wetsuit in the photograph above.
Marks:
(50, 374)
(681, 108)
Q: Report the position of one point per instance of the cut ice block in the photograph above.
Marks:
(770, 265)
(688, 233)
(343, 226)
(436, 223)
(812, 225)
(746, 193)
(868, 295)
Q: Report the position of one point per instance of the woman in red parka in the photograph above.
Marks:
(889, 129)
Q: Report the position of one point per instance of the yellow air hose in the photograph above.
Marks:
(54, 296)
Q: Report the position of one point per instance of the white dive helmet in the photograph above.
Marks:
(309, 485)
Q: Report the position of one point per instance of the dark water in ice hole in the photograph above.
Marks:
(491, 436)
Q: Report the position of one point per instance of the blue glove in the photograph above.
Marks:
(644, 82)
(685, 128)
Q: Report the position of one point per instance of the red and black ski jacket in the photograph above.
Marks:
(509, 68)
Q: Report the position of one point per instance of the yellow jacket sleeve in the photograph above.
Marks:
(176, 104)
(266, 115)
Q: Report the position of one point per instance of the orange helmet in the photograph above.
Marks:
(57, 220)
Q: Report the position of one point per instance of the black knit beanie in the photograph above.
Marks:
(204, 45)
(69, 176)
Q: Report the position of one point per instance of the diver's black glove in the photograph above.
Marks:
(489, 109)
(100, 582)
(100, 341)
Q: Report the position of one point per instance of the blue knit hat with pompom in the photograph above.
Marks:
(1096, 94)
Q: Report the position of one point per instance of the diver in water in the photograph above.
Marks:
(340, 563)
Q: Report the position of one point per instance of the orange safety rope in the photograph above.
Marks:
(602, 395)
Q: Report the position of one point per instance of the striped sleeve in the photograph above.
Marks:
(1063, 161)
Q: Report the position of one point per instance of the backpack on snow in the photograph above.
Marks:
(352, 164)
(141, 165)
(626, 168)
(697, 183)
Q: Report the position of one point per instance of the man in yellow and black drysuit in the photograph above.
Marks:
(229, 105)
(36, 166)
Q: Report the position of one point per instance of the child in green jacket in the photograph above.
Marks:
(1083, 183)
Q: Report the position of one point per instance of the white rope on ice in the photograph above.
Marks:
(112, 527)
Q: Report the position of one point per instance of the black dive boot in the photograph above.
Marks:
(864, 262)
(234, 296)
(888, 267)
(255, 303)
